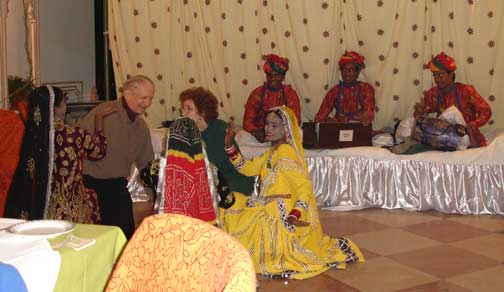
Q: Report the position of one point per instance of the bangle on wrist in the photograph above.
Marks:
(232, 152)
(230, 148)
(296, 213)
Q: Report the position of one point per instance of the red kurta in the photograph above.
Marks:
(473, 107)
(261, 100)
(351, 102)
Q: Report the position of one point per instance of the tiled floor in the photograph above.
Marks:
(408, 251)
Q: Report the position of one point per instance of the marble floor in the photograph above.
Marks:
(407, 251)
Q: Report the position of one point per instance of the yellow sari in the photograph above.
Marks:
(277, 248)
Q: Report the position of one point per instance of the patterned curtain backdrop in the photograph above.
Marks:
(220, 44)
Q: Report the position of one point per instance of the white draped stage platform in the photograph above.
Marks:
(463, 182)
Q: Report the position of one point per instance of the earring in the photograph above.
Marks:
(288, 138)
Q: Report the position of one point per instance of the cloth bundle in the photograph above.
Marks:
(438, 133)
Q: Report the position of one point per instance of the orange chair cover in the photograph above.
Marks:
(171, 252)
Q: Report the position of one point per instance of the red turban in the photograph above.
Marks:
(442, 62)
(352, 57)
(276, 64)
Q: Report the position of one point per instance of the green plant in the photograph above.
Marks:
(19, 88)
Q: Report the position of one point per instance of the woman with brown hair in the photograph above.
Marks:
(200, 105)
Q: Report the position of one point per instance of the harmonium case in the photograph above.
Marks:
(336, 135)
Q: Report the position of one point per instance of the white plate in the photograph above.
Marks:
(42, 228)
(8, 222)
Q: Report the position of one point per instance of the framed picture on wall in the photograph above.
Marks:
(76, 111)
(72, 89)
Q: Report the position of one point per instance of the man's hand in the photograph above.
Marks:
(364, 119)
(420, 108)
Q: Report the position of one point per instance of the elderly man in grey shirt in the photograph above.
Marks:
(129, 143)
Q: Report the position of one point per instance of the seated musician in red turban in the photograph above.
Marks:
(271, 94)
(447, 92)
(352, 100)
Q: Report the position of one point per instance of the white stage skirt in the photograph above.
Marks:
(386, 180)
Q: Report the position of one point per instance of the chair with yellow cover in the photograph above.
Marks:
(171, 252)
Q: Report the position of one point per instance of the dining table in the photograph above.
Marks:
(80, 259)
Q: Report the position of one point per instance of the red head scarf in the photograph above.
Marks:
(442, 62)
(352, 57)
(276, 64)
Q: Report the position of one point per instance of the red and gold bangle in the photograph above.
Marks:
(232, 152)
(296, 213)
(231, 149)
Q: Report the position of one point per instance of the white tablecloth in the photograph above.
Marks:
(34, 259)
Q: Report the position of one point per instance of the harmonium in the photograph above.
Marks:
(336, 135)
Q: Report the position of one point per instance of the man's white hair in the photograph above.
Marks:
(134, 83)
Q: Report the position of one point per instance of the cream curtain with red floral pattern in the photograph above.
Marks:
(219, 44)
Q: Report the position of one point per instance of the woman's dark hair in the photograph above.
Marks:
(43, 92)
(205, 101)
(28, 190)
(277, 112)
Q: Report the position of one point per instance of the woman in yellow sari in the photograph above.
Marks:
(280, 228)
